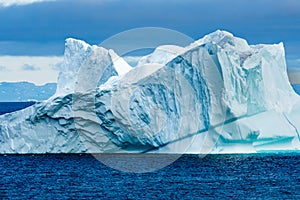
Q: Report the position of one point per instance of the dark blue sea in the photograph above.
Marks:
(7, 107)
(72, 176)
(213, 177)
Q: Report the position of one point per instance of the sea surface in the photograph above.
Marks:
(70, 176)
(74, 176)
(7, 107)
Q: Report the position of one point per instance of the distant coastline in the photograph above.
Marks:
(25, 91)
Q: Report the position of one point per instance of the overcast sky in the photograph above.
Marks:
(39, 28)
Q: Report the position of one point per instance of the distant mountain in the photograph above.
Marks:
(25, 91)
(297, 88)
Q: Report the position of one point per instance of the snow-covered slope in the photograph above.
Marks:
(217, 95)
(162, 55)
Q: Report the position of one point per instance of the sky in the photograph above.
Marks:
(37, 29)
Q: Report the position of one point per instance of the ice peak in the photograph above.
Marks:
(162, 54)
(219, 34)
(223, 39)
(75, 44)
(78, 54)
(120, 65)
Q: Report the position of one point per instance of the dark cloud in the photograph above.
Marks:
(294, 64)
(42, 28)
(27, 67)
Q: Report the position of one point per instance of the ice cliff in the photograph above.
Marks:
(217, 95)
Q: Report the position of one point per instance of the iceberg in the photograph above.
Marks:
(216, 95)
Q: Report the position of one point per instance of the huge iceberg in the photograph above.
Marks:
(216, 95)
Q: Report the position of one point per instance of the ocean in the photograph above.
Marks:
(7, 107)
(69, 176)
(74, 176)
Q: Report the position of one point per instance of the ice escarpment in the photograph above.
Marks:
(218, 92)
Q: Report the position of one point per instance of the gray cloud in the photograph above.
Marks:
(293, 63)
(57, 66)
(27, 67)
(273, 21)
(7, 3)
